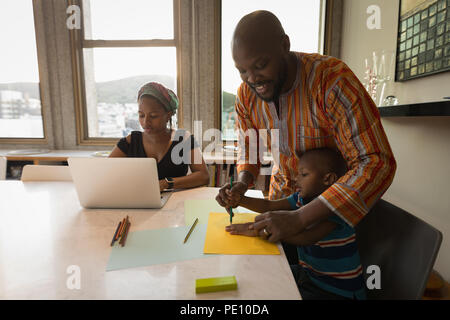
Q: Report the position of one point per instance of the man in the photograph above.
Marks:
(314, 101)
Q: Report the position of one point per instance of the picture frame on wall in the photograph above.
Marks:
(423, 42)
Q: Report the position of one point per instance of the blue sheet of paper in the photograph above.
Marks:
(159, 246)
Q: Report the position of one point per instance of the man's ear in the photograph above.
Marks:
(286, 44)
(330, 178)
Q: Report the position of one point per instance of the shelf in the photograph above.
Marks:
(428, 109)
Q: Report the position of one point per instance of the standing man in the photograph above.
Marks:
(313, 101)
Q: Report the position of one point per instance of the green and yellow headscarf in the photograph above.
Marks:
(164, 95)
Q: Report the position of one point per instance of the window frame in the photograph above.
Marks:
(78, 43)
(44, 105)
(329, 41)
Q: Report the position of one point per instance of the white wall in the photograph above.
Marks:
(358, 42)
(420, 144)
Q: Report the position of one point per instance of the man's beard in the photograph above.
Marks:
(281, 80)
(282, 76)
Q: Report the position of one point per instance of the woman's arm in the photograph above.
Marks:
(116, 152)
(198, 177)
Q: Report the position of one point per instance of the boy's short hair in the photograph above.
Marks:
(327, 159)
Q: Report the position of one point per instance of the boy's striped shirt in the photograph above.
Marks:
(333, 263)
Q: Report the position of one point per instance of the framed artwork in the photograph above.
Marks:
(423, 43)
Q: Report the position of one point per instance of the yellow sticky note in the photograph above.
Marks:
(215, 284)
(219, 241)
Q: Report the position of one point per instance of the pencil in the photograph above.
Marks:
(115, 234)
(122, 232)
(231, 209)
(190, 230)
(121, 229)
(124, 237)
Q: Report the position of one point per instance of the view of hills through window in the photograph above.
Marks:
(114, 73)
(117, 107)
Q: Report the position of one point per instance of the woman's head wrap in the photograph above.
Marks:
(164, 95)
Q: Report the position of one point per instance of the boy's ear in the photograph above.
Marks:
(330, 178)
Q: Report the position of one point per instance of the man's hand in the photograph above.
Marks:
(277, 225)
(241, 229)
(231, 197)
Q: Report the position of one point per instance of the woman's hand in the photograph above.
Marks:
(241, 229)
(163, 184)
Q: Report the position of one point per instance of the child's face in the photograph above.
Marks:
(152, 115)
(310, 181)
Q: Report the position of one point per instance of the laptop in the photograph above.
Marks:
(117, 182)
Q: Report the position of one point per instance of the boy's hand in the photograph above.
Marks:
(231, 197)
(241, 229)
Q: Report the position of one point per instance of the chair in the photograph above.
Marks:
(2, 168)
(403, 246)
(46, 173)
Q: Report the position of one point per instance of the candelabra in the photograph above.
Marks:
(378, 75)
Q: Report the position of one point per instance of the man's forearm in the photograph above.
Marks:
(313, 235)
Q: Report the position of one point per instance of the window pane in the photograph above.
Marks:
(113, 77)
(295, 17)
(128, 19)
(20, 102)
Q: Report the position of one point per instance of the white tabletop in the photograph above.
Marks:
(45, 153)
(44, 231)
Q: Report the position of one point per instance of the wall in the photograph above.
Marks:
(420, 144)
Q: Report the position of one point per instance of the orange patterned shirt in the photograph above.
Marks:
(326, 107)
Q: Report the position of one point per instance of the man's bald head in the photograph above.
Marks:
(261, 53)
(258, 29)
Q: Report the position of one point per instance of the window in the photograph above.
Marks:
(302, 22)
(125, 43)
(20, 102)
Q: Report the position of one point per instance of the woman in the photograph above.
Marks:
(174, 150)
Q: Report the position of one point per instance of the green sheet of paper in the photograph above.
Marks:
(160, 246)
(201, 208)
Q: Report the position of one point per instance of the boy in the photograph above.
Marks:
(329, 265)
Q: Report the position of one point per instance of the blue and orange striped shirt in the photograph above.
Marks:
(333, 263)
(327, 106)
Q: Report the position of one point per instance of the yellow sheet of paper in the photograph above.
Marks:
(219, 241)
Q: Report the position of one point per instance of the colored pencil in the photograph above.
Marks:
(115, 234)
(190, 230)
(231, 209)
(124, 228)
(121, 229)
(124, 237)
